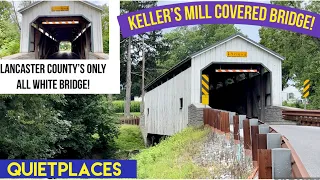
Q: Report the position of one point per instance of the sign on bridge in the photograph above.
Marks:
(237, 54)
(60, 8)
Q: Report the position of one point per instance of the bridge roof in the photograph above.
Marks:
(38, 2)
(184, 64)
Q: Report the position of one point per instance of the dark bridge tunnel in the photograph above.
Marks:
(242, 92)
(47, 33)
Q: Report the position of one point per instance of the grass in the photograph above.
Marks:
(131, 113)
(172, 158)
(194, 153)
(129, 139)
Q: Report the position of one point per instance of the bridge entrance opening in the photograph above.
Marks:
(49, 34)
(241, 88)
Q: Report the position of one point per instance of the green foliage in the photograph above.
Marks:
(154, 47)
(295, 104)
(105, 28)
(119, 106)
(301, 52)
(56, 126)
(5, 10)
(89, 115)
(184, 41)
(171, 158)
(9, 32)
(130, 138)
(131, 113)
(30, 127)
(65, 46)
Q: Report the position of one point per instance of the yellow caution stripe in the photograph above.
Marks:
(205, 89)
(306, 82)
(306, 88)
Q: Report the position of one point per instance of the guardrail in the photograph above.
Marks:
(303, 117)
(272, 155)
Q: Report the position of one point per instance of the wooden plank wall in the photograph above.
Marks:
(165, 116)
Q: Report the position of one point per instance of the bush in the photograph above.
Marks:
(130, 138)
(119, 106)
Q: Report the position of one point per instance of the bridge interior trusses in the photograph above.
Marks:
(242, 92)
(48, 32)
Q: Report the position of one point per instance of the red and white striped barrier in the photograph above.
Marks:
(61, 22)
(236, 70)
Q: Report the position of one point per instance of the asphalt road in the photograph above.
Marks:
(306, 142)
(63, 55)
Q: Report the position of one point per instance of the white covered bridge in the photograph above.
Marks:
(47, 23)
(235, 74)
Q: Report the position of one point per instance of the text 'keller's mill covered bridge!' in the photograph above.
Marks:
(235, 74)
(45, 24)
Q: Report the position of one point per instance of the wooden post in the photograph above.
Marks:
(254, 138)
(227, 123)
(223, 117)
(205, 116)
(265, 164)
(246, 134)
(212, 117)
(215, 123)
(262, 141)
(236, 132)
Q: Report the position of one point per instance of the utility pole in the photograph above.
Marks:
(142, 80)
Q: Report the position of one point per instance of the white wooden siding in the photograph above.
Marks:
(76, 8)
(165, 116)
(255, 55)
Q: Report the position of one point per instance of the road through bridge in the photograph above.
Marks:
(47, 24)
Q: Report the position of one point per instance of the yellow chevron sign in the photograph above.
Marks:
(306, 87)
(205, 89)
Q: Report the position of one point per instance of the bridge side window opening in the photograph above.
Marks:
(148, 111)
(181, 103)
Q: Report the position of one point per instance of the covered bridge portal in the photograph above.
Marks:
(235, 74)
(47, 23)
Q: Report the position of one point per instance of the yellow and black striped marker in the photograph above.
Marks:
(205, 89)
(306, 87)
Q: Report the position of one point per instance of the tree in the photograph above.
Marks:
(30, 127)
(9, 40)
(184, 41)
(93, 126)
(154, 50)
(105, 28)
(301, 51)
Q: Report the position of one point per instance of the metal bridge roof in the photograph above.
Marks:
(177, 68)
(38, 2)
